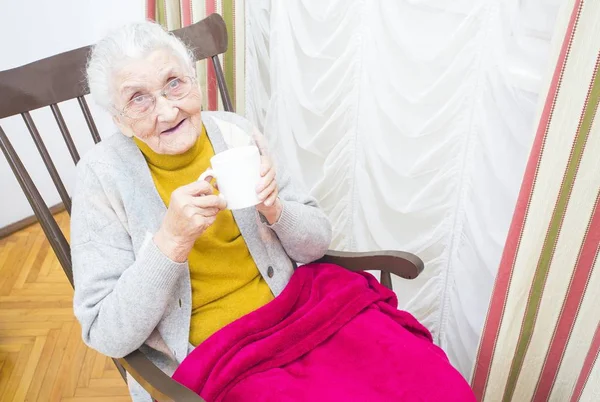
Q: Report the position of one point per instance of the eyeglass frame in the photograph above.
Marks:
(162, 92)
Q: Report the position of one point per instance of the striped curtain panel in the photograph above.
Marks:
(174, 14)
(542, 335)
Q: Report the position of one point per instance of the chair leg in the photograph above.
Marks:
(386, 280)
(51, 230)
(121, 369)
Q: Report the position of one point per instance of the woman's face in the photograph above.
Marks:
(174, 125)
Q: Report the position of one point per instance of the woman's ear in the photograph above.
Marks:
(123, 128)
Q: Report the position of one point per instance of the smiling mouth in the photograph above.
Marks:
(169, 131)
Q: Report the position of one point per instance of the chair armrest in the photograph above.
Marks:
(164, 389)
(160, 386)
(400, 263)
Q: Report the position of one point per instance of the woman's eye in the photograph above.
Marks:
(174, 83)
(139, 99)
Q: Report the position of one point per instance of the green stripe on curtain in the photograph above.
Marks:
(229, 56)
(161, 16)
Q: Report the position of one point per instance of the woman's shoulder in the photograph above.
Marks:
(230, 118)
(112, 151)
(110, 165)
(107, 173)
(234, 129)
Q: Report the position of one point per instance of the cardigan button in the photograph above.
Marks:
(270, 271)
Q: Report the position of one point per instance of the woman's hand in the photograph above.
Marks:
(267, 190)
(192, 209)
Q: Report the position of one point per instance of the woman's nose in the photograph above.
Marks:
(165, 110)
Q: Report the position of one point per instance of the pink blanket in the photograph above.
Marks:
(332, 335)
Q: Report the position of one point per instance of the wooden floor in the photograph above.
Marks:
(42, 357)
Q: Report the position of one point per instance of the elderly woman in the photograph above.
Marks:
(162, 265)
(159, 262)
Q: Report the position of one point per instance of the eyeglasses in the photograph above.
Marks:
(144, 104)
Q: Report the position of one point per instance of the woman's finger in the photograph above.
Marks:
(203, 221)
(206, 212)
(266, 180)
(266, 193)
(209, 201)
(265, 165)
(260, 142)
(197, 188)
(271, 200)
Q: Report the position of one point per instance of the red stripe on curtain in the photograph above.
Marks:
(588, 364)
(186, 12)
(151, 10)
(503, 279)
(211, 77)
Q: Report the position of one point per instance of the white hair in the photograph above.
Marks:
(130, 42)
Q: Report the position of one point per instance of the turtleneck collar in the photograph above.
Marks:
(173, 162)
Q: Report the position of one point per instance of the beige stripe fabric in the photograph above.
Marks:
(240, 56)
(173, 14)
(533, 358)
(199, 13)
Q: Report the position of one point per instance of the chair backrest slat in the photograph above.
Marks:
(61, 77)
(89, 119)
(222, 85)
(39, 143)
(206, 38)
(65, 132)
(51, 229)
(44, 82)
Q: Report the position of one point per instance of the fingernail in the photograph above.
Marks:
(267, 203)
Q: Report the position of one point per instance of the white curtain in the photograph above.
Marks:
(411, 122)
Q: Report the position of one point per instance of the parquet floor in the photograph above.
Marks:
(42, 356)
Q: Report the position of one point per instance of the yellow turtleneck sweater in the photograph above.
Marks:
(226, 283)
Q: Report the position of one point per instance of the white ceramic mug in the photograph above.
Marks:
(237, 172)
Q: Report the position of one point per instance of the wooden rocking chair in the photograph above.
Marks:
(38, 85)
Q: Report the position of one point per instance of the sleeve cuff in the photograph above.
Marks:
(161, 270)
(288, 220)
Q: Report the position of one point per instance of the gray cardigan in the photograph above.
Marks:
(128, 295)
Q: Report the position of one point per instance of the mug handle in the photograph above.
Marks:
(208, 174)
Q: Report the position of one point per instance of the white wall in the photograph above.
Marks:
(32, 30)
